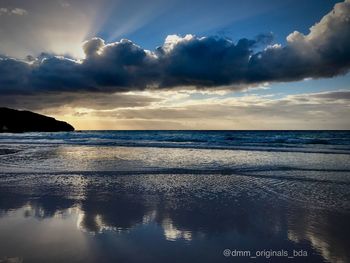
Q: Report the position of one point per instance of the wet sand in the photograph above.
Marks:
(69, 203)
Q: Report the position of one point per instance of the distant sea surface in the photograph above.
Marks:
(175, 196)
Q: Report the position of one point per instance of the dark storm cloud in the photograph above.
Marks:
(206, 61)
(187, 61)
(96, 101)
(14, 75)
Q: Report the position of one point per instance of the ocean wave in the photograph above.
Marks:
(335, 142)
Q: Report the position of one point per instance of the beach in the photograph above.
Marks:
(175, 196)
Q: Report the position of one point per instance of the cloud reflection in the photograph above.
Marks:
(179, 217)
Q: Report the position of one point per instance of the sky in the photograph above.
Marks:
(223, 64)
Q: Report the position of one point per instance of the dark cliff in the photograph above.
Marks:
(26, 121)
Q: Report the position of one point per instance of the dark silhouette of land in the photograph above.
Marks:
(25, 121)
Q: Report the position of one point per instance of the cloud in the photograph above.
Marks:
(323, 52)
(301, 111)
(203, 62)
(3, 10)
(335, 95)
(14, 11)
(19, 11)
(65, 4)
(96, 101)
(93, 46)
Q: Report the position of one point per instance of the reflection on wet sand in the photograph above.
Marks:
(106, 217)
(328, 233)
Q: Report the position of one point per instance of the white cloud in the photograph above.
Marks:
(172, 40)
(65, 4)
(3, 11)
(14, 11)
(19, 11)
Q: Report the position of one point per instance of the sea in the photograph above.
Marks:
(175, 196)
